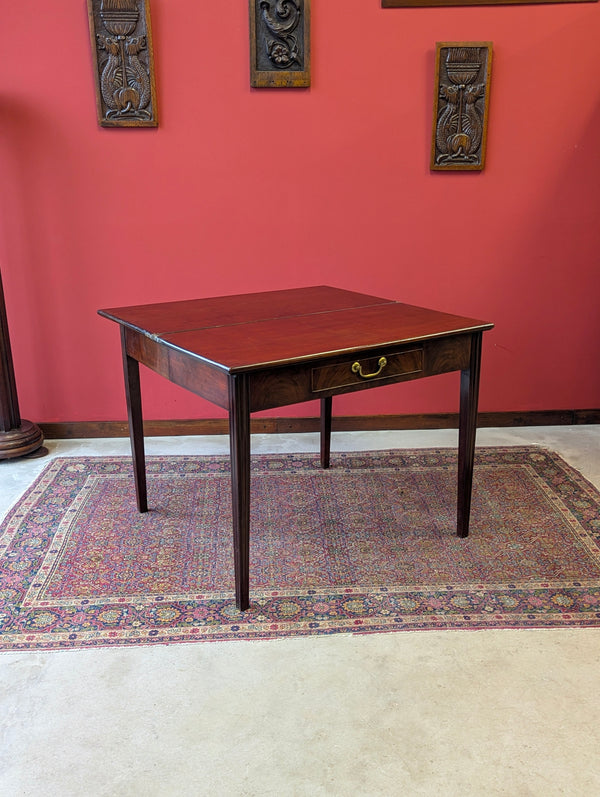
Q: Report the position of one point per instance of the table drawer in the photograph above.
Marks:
(367, 370)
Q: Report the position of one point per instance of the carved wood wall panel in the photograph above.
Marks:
(121, 38)
(279, 43)
(461, 102)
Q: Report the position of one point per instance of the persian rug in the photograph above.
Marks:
(366, 546)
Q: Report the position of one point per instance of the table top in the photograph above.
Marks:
(248, 332)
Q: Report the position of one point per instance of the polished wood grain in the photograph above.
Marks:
(239, 438)
(325, 430)
(277, 387)
(133, 394)
(302, 338)
(258, 351)
(351, 371)
(225, 311)
(467, 426)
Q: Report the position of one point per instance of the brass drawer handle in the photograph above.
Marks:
(357, 368)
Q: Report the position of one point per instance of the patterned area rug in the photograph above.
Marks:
(366, 546)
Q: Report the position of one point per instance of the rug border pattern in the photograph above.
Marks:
(56, 624)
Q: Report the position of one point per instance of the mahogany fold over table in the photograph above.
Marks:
(263, 350)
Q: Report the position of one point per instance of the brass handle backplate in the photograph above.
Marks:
(357, 368)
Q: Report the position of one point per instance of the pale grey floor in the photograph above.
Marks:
(413, 713)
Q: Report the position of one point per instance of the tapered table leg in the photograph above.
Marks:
(469, 396)
(325, 431)
(131, 370)
(239, 438)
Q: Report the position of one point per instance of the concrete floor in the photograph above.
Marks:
(413, 713)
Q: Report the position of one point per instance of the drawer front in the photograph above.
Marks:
(374, 369)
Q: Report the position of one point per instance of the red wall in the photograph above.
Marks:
(242, 190)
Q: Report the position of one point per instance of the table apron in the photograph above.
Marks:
(324, 377)
(179, 367)
(319, 378)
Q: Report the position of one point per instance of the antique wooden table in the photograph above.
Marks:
(263, 350)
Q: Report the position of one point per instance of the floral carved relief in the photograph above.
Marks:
(121, 39)
(461, 105)
(279, 43)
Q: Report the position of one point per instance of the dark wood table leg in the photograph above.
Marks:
(239, 439)
(469, 396)
(131, 370)
(325, 431)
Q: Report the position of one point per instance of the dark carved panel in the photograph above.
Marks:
(121, 36)
(279, 43)
(461, 100)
